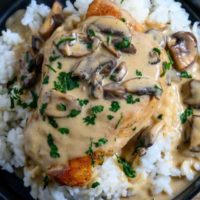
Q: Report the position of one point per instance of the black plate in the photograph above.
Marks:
(11, 187)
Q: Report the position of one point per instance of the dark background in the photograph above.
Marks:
(11, 188)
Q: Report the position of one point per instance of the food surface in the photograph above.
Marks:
(104, 100)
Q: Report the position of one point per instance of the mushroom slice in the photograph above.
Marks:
(87, 66)
(193, 97)
(113, 91)
(54, 19)
(95, 87)
(154, 57)
(59, 104)
(77, 46)
(119, 72)
(183, 49)
(194, 134)
(148, 137)
(143, 86)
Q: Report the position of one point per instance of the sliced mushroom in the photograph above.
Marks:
(119, 72)
(183, 49)
(194, 134)
(154, 57)
(87, 66)
(57, 99)
(53, 20)
(30, 70)
(78, 46)
(148, 137)
(111, 30)
(143, 86)
(36, 44)
(158, 36)
(113, 91)
(193, 96)
(95, 87)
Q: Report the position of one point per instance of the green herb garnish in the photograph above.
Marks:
(63, 130)
(50, 67)
(185, 74)
(43, 108)
(65, 82)
(97, 109)
(157, 50)
(59, 65)
(91, 32)
(119, 121)
(100, 142)
(53, 58)
(128, 170)
(45, 80)
(115, 106)
(110, 117)
(90, 152)
(138, 73)
(95, 184)
(187, 113)
(90, 120)
(167, 65)
(125, 43)
(53, 122)
(64, 40)
(53, 148)
(83, 102)
(131, 100)
(73, 113)
(61, 107)
(34, 101)
(89, 44)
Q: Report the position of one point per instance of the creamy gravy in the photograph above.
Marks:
(77, 142)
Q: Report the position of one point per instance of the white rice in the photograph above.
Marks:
(157, 164)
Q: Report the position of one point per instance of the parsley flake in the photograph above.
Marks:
(91, 32)
(63, 130)
(61, 107)
(43, 108)
(53, 122)
(83, 102)
(110, 117)
(95, 184)
(130, 99)
(125, 43)
(115, 106)
(138, 73)
(187, 113)
(65, 82)
(73, 113)
(157, 50)
(53, 148)
(97, 109)
(64, 40)
(185, 74)
(45, 80)
(50, 67)
(90, 120)
(53, 58)
(100, 142)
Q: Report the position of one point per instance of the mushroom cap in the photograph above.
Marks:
(183, 49)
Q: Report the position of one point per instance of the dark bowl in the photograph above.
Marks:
(11, 187)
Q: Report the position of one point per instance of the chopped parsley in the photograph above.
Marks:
(109, 39)
(185, 74)
(53, 122)
(64, 40)
(95, 184)
(43, 108)
(83, 102)
(115, 106)
(65, 82)
(59, 65)
(91, 32)
(63, 130)
(45, 182)
(131, 100)
(53, 148)
(167, 65)
(61, 107)
(100, 142)
(110, 117)
(121, 1)
(157, 50)
(138, 73)
(128, 170)
(160, 116)
(73, 113)
(187, 113)
(125, 43)
(90, 120)
(97, 109)
(89, 44)
(53, 58)
(51, 68)
(119, 121)
(45, 80)
(34, 101)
